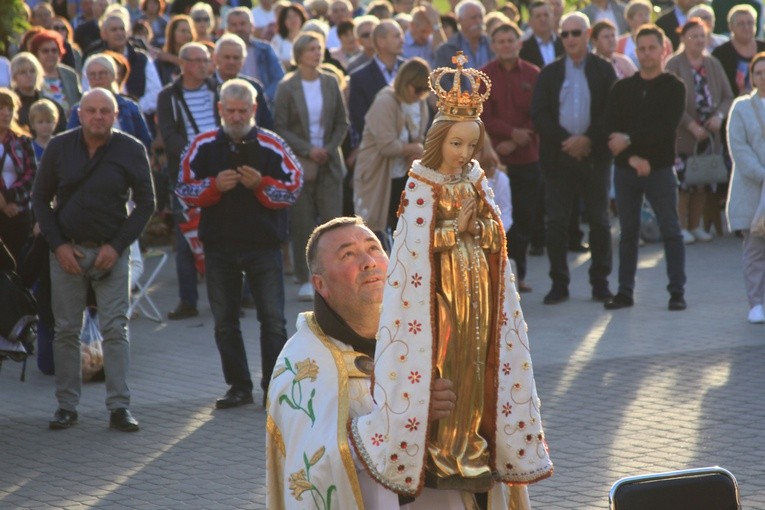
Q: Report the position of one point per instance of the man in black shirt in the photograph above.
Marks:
(642, 115)
(91, 171)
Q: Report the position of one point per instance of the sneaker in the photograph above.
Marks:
(756, 315)
(677, 302)
(688, 237)
(701, 235)
(306, 292)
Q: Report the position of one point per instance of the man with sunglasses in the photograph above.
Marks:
(568, 110)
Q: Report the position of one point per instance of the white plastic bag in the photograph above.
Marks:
(91, 348)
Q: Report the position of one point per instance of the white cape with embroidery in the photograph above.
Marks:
(391, 440)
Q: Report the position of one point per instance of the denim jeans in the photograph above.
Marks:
(185, 268)
(660, 188)
(263, 270)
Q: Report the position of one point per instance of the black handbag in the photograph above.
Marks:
(707, 167)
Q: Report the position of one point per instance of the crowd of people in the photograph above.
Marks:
(591, 112)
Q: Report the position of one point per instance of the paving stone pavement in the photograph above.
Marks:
(626, 392)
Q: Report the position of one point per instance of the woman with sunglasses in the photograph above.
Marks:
(72, 53)
(204, 21)
(60, 82)
(394, 131)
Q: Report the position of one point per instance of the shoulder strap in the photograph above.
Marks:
(75, 187)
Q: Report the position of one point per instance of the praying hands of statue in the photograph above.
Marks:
(442, 399)
(467, 217)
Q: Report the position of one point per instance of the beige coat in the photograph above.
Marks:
(746, 139)
(380, 146)
(719, 87)
(291, 118)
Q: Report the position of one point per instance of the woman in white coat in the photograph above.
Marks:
(746, 139)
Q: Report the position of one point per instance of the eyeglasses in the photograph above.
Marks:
(201, 19)
(573, 33)
(197, 60)
(97, 74)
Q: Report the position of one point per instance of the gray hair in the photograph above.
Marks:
(184, 51)
(738, 9)
(702, 8)
(583, 19)
(115, 11)
(105, 61)
(231, 39)
(318, 26)
(459, 9)
(238, 90)
(240, 11)
(363, 20)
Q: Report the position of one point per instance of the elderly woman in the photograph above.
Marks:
(706, 14)
(180, 30)
(736, 54)
(637, 13)
(310, 115)
(101, 71)
(394, 130)
(746, 140)
(27, 81)
(17, 167)
(707, 100)
(60, 82)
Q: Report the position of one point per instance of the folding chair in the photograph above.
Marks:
(710, 488)
(138, 299)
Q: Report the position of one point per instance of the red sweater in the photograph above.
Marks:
(509, 107)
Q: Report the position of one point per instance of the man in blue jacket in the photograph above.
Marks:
(243, 177)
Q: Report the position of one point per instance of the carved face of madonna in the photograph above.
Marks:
(459, 146)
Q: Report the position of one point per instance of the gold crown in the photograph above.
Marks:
(455, 103)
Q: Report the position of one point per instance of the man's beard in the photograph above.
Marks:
(239, 131)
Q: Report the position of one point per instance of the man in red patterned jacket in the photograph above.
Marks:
(243, 178)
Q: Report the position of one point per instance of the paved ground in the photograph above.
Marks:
(627, 392)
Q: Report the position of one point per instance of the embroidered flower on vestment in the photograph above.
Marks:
(507, 409)
(412, 424)
(415, 376)
(506, 368)
(377, 439)
(306, 369)
(299, 484)
(416, 280)
(415, 327)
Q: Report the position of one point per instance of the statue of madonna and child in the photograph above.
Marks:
(451, 310)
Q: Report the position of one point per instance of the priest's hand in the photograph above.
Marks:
(442, 399)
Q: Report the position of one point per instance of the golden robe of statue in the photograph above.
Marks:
(465, 313)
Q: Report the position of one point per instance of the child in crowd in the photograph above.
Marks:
(43, 117)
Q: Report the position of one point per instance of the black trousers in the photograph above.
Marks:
(591, 180)
(526, 190)
(15, 231)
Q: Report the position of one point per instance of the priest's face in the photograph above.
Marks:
(352, 267)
